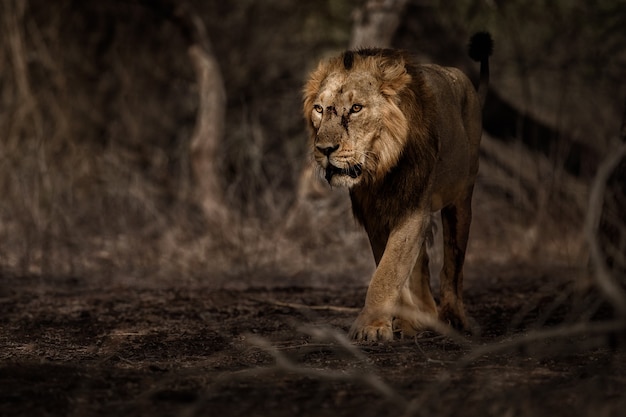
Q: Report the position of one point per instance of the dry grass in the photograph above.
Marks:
(96, 180)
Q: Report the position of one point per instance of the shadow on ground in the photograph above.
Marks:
(67, 349)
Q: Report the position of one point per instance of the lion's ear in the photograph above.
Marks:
(395, 77)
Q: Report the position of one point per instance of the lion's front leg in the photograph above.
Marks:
(383, 299)
(418, 309)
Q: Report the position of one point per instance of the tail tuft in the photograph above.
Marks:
(480, 46)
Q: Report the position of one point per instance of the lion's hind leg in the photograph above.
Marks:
(456, 220)
(417, 308)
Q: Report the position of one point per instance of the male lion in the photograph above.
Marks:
(404, 139)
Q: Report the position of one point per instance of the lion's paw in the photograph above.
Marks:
(405, 327)
(410, 327)
(379, 330)
(454, 317)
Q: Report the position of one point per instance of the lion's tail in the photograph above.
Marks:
(480, 48)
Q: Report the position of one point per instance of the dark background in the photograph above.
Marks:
(119, 294)
(99, 101)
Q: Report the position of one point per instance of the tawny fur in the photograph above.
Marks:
(404, 139)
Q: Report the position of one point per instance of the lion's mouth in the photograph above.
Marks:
(352, 171)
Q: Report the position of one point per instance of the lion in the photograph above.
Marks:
(404, 139)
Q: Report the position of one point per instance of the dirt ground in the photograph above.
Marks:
(67, 349)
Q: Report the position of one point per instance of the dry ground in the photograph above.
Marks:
(67, 349)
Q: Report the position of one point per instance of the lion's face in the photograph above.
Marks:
(357, 127)
(346, 115)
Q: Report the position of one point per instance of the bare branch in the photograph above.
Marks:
(298, 306)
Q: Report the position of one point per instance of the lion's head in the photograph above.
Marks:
(356, 108)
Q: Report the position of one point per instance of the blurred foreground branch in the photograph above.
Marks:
(335, 339)
(597, 230)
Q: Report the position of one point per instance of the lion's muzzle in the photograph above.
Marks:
(353, 171)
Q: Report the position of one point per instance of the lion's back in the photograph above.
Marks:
(452, 88)
(458, 129)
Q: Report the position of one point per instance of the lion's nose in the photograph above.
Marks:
(327, 150)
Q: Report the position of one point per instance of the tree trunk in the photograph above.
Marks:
(376, 23)
(208, 133)
(209, 129)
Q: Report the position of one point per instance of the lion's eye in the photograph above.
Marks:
(356, 108)
(318, 108)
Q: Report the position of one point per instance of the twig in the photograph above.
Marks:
(428, 358)
(333, 336)
(298, 306)
(433, 324)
